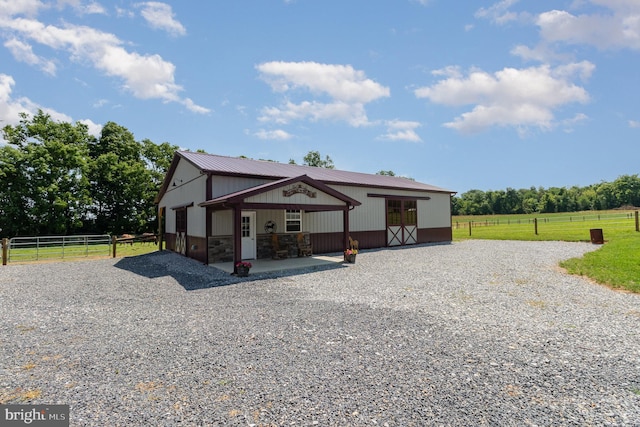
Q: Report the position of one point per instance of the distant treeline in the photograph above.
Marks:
(57, 179)
(623, 192)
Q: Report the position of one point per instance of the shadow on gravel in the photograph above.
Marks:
(192, 275)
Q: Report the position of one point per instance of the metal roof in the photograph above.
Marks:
(241, 166)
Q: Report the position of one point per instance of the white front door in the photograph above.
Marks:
(248, 230)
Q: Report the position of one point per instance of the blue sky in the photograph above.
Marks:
(481, 95)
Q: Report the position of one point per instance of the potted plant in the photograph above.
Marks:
(242, 268)
(350, 255)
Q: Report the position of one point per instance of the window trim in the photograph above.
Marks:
(293, 221)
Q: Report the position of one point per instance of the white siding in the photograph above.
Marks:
(277, 196)
(223, 185)
(275, 215)
(435, 213)
(222, 224)
(371, 214)
(190, 187)
(322, 222)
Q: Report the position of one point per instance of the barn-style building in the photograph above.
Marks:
(220, 209)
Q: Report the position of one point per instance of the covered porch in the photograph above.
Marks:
(290, 194)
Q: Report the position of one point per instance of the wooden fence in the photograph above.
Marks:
(625, 220)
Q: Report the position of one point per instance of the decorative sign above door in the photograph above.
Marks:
(299, 189)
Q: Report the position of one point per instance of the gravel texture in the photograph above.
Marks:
(470, 333)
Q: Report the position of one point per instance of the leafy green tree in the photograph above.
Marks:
(58, 179)
(313, 158)
(626, 190)
(14, 202)
(386, 173)
(586, 199)
(125, 176)
(474, 202)
(51, 173)
(605, 196)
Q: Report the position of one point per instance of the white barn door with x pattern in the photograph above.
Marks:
(181, 231)
(402, 222)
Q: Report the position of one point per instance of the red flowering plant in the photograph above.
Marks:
(244, 264)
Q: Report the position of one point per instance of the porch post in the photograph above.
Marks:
(237, 236)
(345, 227)
(208, 230)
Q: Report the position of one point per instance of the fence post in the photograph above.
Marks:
(535, 223)
(5, 247)
(469, 228)
(114, 241)
(637, 223)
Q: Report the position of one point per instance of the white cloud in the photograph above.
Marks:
(401, 130)
(10, 8)
(83, 8)
(160, 15)
(512, 97)
(11, 108)
(354, 114)
(634, 124)
(500, 14)
(145, 76)
(570, 124)
(94, 128)
(618, 29)
(195, 108)
(100, 103)
(541, 53)
(348, 89)
(277, 134)
(24, 52)
(341, 82)
(120, 12)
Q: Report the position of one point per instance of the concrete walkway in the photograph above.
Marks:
(270, 265)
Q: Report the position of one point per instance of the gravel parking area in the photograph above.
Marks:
(470, 333)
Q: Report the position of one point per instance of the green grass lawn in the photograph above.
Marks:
(616, 263)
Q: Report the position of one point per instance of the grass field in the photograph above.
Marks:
(616, 263)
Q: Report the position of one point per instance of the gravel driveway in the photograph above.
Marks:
(470, 333)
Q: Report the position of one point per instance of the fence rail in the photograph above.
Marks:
(506, 220)
(27, 249)
(619, 221)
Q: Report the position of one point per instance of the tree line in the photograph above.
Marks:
(623, 192)
(57, 179)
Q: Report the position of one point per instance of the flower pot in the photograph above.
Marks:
(351, 258)
(242, 271)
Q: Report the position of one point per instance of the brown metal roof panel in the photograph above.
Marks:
(243, 166)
